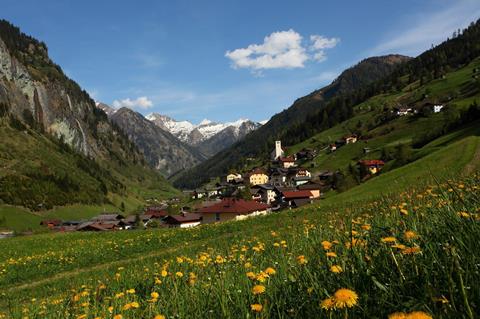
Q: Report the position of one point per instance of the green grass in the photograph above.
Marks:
(18, 219)
(70, 275)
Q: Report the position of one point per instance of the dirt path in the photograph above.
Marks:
(474, 164)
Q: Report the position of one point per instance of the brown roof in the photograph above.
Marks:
(156, 213)
(233, 205)
(297, 194)
(183, 218)
(286, 159)
(54, 222)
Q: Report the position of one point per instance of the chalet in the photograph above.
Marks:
(306, 154)
(155, 214)
(232, 209)
(332, 147)
(372, 166)
(258, 176)
(403, 110)
(278, 176)
(90, 226)
(263, 193)
(297, 198)
(286, 162)
(314, 188)
(350, 139)
(278, 152)
(299, 176)
(6, 234)
(232, 177)
(183, 220)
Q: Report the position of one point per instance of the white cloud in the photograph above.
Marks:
(141, 103)
(431, 28)
(281, 50)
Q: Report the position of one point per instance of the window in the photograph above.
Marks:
(217, 217)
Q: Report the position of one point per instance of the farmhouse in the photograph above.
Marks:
(372, 166)
(403, 110)
(286, 162)
(183, 220)
(350, 139)
(263, 193)
(258, 176)
(231, 209)
(314, 188)
(297, 198)
(232, 177)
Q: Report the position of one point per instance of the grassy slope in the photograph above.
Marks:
(22, 153)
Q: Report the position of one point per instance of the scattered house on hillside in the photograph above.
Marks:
(299, 176)
(403, 110)
(350, 139)
(366, 150)
(286, 162)
(183, 220)
(263, 193)
(297, 198)
(434, 107)
(332, 147)
(232, 177)
(232, 209)
(278, 152)
(371, 166)
(313, 187)
(306, 154)
(6, 234)
(258, 176)
(51, 223)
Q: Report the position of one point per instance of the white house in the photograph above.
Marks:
(437, 108)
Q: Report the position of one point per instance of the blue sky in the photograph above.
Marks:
(223, 60)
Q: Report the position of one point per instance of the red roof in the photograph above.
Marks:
(297, 194)
(286, 159)
(372, 162)
(233, 205)
(183, 218)
(156, 213)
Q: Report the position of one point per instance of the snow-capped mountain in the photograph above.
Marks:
(198, 135)
(106, 108)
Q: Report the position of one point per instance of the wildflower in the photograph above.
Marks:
(256, 307)
(418, 315)
(258, 289)
(345, 298)
(154, 295)
(328, 304)
(366, 227)
(119, 295)
(179, 274)
(404, 212)
(118, 317)
(261, 277)
(82, 317)
(397, 315)
(110, 309)
(247, 265)
(251, 275)
(411, 250)
(336, 269)
(270, 271)
(388, 239)
(164, 273)
(326, 245)
(399, 246)
(130, 291)
(159, 317)
(302, 260)
(331, 254)
(463, 214)
(409, 235)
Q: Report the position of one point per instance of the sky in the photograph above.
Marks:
(223, 60)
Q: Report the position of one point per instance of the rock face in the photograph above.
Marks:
(161, 149)
(208, 137)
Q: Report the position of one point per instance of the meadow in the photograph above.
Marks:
(413, 254)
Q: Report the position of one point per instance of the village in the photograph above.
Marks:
(284, 185)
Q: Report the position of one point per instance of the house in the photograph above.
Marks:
(232, 209)
(286, 162)
(51, 223)
(232, 177)
(306, 154)
(299, 176)
(297, 198)
(264, 193)
(6, 234)
(90, 226)
(183, 220)
(278, 177)
(402, 111)
(314, 188)
(372, 166)
(155, 213)
(436, 108)
(278, 152)
(350, 139)
(332, 147)
(258, 176)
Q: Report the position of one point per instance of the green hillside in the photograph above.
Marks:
(300, 257)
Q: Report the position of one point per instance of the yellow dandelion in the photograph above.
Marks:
(366, 227)
(328, 304)
(336, 269)
(258, 289)
(326, 245)
(345, 298)
(411, 250)
(418, 315)
(302, 260)
(179, 274)
(164, 273)
(155, 295)
(251, 275)
(118, 317)
(404, 212)
(270, 271)
(130, 291)
(331, 254)
(410, 234)
(397, 315)
(389, 239)
(159, 317)
(256, 307)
